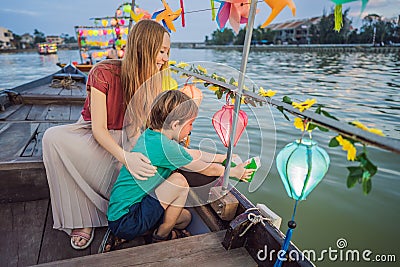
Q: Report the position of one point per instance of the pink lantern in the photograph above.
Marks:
(117, 31)
(222, 122)
(122, 22)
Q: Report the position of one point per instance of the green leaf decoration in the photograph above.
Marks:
(311, 126)
(367, 186)
(280, 108)
(287, 100)
(319, 109)
(334, 142)
(231, 81)
(219, 93)
(323, 129)
(327, 114)
(355, 175)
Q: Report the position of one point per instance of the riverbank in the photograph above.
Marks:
(359, 48)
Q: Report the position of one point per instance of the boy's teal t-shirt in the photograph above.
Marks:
(164, 153)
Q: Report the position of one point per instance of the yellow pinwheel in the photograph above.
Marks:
(277, 6)
(167, 16)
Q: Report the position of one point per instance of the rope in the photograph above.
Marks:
(254, 219)
(66, 83)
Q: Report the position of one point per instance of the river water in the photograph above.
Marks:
(352, 86)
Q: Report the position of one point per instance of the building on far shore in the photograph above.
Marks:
(294, 31)
(6, 38)
(27, 41)
(54, 39)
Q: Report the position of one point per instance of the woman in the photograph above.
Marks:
(82, 160)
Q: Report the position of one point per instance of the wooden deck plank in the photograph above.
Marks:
(56, 244)
(58, 112)
(66, 92)
(200, 250)
(75, 112)
(79, 91)
(38, 112)
(14, 140)
(22, 113)
(21, 229)
(9, 111)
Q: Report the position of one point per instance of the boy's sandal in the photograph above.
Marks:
(177, 234)
(88, 237)
(113, 243)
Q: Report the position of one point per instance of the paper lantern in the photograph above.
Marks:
(301, 166)
(113, 22)
(222, 122)
(117, 31)
(104, 23)
(122, 21)
(120, 53)
(193, 92)
(119, 12)
(127, 8)
(80, 32)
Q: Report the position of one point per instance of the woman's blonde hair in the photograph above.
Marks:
(171, 106)
(139, 71)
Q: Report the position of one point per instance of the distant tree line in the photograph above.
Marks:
(40, 37)
(374, 29)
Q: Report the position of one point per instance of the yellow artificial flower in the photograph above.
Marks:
(235, 84)
(347, 146)
(201, 69)
(182, 65)
(376, 131)
(172, 62)
(268, 93)
(365, 128)
(299, 124)
(304, 105)
(213, 88)
(241, 100)
(195, 80)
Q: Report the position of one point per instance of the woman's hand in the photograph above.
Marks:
(139, 165)
(241, 173)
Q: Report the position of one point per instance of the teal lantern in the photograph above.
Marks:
(301, 166)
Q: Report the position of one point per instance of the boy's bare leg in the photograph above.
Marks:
(172, 195)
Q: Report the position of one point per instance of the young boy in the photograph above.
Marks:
(137, 206)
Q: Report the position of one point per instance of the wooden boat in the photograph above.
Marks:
(81, 67)
(26, 224)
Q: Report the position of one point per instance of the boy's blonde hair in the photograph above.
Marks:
(171, 106)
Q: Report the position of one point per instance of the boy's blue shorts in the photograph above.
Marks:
(142, 217)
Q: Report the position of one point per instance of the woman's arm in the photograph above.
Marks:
(98, 110)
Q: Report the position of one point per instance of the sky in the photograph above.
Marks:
(54, 17)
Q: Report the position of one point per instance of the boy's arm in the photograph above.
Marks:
(205, 156)
(215, 169)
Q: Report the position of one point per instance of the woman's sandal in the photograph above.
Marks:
(177, 234)
(88, 237)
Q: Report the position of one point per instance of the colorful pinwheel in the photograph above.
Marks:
(237, 11)
(277, 6)
(167, 16)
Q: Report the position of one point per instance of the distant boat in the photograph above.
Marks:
(47, 48)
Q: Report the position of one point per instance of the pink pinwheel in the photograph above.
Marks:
(237, 11)
(277, 6)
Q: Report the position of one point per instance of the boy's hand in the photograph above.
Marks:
(241, 173)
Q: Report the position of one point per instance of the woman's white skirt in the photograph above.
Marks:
(80, 174)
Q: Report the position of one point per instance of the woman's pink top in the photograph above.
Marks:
(107, 79)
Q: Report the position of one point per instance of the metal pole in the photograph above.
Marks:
(130, 17)
(245, 55)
